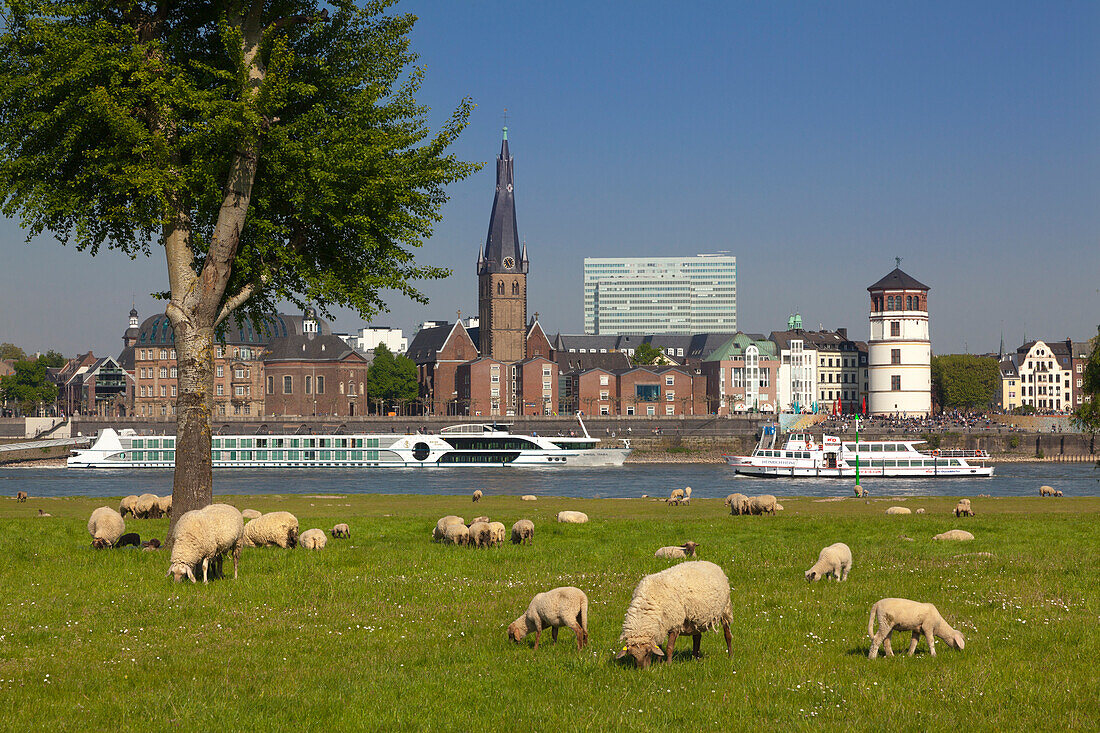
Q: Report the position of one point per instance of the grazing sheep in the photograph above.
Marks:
(313, 539)
(834, 560)
(20, 496)
(151, 545)
(954, 534)
(962, 509)
(572, 517)
(1058, 492)
(529, 497)
(475, 520)
(456, 534)
(341, 530)
(920, 511)
(859, 491)
(146, 507)
(779, 507)
(677, 551)
(763, 504)
(44, 514)
(128, 504)
(273, 528)
(905, 615)
(676, 496)
(251, 514)
(106, 527)
(203, 537)
(899, 510)
(481, 535)
(441, 525)
(555, 608)
(523, 532)
(164, 505)
(477, 495)
(497, 533)
(687, 495)
(1046, 491)
(130, 539)
(688, 598)
(738, 504)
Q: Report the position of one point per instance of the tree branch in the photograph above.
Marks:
(296, 20)
(239, 299)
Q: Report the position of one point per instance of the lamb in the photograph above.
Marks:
(859, 491)
(44, 514)
(341, 530)
(677, 551)
(523, 532)
(441, 525)
(313, 539)
(456, 534)
(529, 497)
(20, 496)
(763, 504)
(251, 514)
(146, 507)
(150, 545)
(273, 528)
(480, 534)
(475, 520)
(164, 505)
(477, 495)
(203, 537)
(676, 496)
(130, 539)
(1058, 492)
(738, 504)
(920, 511)
(572, 517)
(688, 598)
(954, 534)
(497, 533)
(962, 509)
(834, 560)
(106, 527)
(905, 615)
(128, 504)
(1046, 491)
(687, 495)
(779, 507)
(899, 510)
(555, 608)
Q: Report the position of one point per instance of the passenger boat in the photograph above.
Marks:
(833, 458)
(458, 445)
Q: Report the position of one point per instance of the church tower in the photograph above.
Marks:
(502, 273)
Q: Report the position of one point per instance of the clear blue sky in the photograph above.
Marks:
(815, 141)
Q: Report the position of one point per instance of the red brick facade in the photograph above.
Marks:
(305, 388)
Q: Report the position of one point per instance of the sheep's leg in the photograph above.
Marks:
(554, 633)
(236, 560)
(579, 632)
(696, 641)
(205, 564)
(729, 638)
(844, 571)
(672, 636)
(881, 639)
(913, 643)
(928, 634)
(886, 644)
(538, 632)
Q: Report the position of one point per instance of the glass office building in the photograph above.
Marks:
(660, 294)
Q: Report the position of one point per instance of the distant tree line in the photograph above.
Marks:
(29, 387)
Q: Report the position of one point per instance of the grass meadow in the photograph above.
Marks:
(388, 630)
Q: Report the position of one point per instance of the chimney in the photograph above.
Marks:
(843, 333)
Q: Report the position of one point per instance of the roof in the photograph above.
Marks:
(310, 347)
(735, 347)
(1009, 368)
(898, 280)
(156, 330)
(502, 242)
(428, 341)
(572, 362)
(1057, 348)
(685, 345)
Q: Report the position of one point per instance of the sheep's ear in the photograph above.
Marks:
(656, 650)
(622, 653)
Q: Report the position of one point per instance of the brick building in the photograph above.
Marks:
(743, 375)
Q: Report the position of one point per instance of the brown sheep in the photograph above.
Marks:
(21, 496)
(962, 509)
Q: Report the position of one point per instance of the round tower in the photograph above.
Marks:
(899, 352)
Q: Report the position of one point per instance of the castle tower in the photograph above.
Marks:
(899, 352)
(130, 338)
(502, 273)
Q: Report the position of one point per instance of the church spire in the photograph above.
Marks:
(502, 244)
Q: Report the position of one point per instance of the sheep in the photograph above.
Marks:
(687, 495)
(341, 530)
(570, 517)
(688, 598)
(905, 615)
(477, 495)
(441, 525)
(834, 560)
(164, 505)
(128, 504)
(203, 537)
(44, 514)
(954, 534)
(738, 504)
(555, 608)
(313, 539)
(779, 507)
(150, 545)
(456, 534)
(920, 511)
(677, 551)
(273, 528)
(146, 507)
(962, 509)
(899, 510)
(497, 533)
(475, 520)
(20, 496)
(529, 497)
(130, 539)
(859, 491)
(1058, 492)
(251, 514)
(676, 496)
(106, 527)
(763, 504)
(481, 535)
(523, 532)
(1046, 491)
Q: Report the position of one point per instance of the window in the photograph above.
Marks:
(494, 377)
(545, 372)
(164, 353)
(895, 383)
(890, 303)
(173, 372)
(500, 288)
(220, 370)
(895, 328)
(219, 390)
(351, 388)
(669, 380)
(670, 396)
(647, 393)
(143, 391)
(164, 372)
(494, 391)
(603, 380)
(173, 354)
(173, 390)
(270, 384)
(163, 392)
(737, 377)
(895, 356)
(288, 384)
(320, 384)
(309, 384)
(908, 302)
(240, 373)
(670, 410)
(515, 288)
(239, 390)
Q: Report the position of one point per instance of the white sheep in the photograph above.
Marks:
(475, 520)
(477, 495)
(105, 526)
(439, 533)
(763, 504)
(456, 534)
(570, 517)
(778, 507)
(529, 497)
(164, 505)
(738, 504)
(905, 615)
(1058, 492)
(962, 509)
(313, 539)
(481, 535)
(834, 560)
(859, 491)
(1046, 490)
(899, 510)
(251, 514)
(128, 504)
(687, 495)
(954, 534)
(497, 533)
(920, 510)
(555, 608)
(273, 528)
(341, 530)
(676, 496)
(146, 507)
(677, 551)
(523, 532)
(203, 537)
(688, 598)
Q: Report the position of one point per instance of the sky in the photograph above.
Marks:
(815, 142)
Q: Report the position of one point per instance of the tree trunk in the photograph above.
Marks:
(193, 485)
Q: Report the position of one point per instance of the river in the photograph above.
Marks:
(706, 480)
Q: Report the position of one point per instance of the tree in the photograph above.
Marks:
(1087, 414)
(29, 386)
(391, 379)
(53, 359)
(965, 381)
(11, 351)
(271, 151)
(647, 354)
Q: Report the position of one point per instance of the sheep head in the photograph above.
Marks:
(640, 652)
(956, 640)
(100, 544)
(517, 630)
(811, 576)
(180, 570)
(689, 548)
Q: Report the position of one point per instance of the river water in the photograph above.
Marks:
(634, 480)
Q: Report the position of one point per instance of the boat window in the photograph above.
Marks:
(890, 464)
(292, 455)
(876, 448)
(246, 442)
(850, 447)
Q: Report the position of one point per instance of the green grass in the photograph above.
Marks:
(388, 630)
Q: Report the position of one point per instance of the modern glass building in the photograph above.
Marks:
(660, 294)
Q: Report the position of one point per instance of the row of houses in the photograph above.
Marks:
(1045, 375)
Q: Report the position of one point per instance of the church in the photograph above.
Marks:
(505, 365)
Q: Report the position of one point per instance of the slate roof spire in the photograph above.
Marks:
(502, 251)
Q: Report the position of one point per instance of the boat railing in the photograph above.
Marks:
(955, 453)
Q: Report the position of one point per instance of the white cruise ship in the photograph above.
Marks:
(831, 457)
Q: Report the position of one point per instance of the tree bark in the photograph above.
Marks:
(193, 485)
